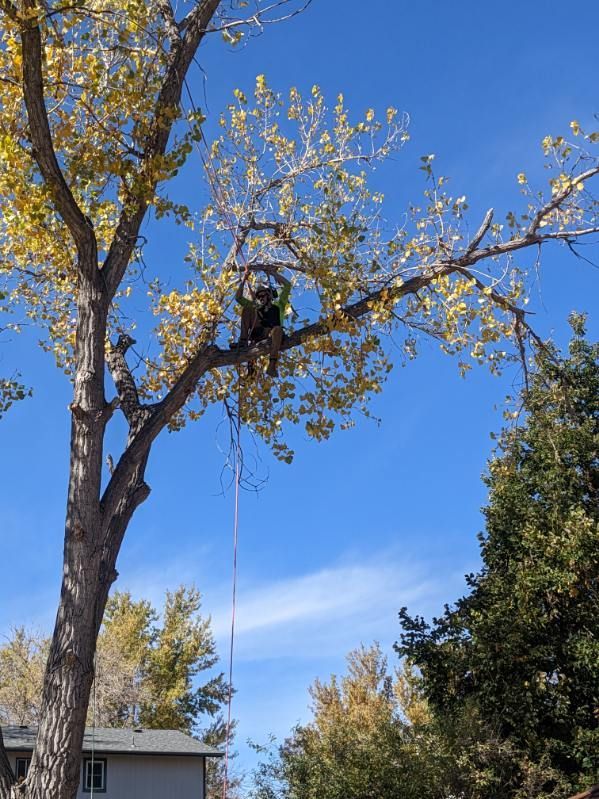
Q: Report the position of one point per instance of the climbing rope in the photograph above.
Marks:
(221, 199)
(234, 593)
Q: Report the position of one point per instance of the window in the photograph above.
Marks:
(94, 775)
(22, 767)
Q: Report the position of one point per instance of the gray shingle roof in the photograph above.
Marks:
(123, 741)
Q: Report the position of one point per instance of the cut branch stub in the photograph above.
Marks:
(134, 411)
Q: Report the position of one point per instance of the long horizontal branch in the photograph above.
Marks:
(521, 242)
(211, 357)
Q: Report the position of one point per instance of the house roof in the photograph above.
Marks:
(106, 740)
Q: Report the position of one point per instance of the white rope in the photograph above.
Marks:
(91, 792)
(234, 597)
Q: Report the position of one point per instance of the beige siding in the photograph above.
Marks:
(146, 777)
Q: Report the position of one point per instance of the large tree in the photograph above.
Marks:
(521, 650)
(95, 122)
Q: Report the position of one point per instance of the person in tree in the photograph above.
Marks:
(262, 317)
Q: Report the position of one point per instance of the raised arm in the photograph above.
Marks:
(239, 293)
(285, 285)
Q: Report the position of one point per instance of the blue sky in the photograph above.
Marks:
(380, 516)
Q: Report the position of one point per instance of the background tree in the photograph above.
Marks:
(520, 652)
(352, 746)
(147, 668)
(372, 735)
(93, 127)
(121, 687)
(22, 661)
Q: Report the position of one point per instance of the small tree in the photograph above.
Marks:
(521, 650)
(22, 663)
(94, 123)
(350, 748)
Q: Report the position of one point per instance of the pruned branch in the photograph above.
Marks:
(481, 232)
(123, 379)
(42, 145)
(182, 53)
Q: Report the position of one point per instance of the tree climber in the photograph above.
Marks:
(262, 317)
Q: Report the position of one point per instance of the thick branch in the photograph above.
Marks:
(163, 119)
(211, 357)
(519, 243)
(41, 137)
(123, 379)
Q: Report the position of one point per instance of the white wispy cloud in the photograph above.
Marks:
(327, 611)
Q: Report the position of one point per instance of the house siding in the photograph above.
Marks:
(145, 776)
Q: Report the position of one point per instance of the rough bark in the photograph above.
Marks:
(6, 776)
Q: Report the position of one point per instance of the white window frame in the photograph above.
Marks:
(27, 761)
(87, 764)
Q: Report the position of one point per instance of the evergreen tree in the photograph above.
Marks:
(520, 652)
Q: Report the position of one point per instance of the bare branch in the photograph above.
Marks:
(123, 379)
(559, 197)
(519, 243)
(260, 17)
(481, 232)
(570, 234)
(43, 148)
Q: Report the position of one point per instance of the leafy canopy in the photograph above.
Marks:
(289, 185)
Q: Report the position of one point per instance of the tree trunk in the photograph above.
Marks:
(88, 571)
(55, 767)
